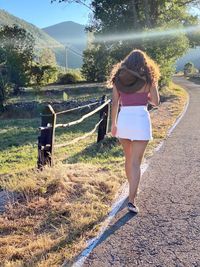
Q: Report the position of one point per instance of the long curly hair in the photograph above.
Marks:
(140, 62)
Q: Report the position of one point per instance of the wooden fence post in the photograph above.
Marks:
(104, 114)
(46, 138)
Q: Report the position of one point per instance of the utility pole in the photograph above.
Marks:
(66, 58)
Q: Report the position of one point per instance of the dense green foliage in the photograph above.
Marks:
(135, 16)
(16, 56)
(129, 16)
(70, 76)
(44, 70)
(42, 75)
(5, 85)
(18, 47)
(96, 64)
(46, 57)
(166, 51)
(19, 66)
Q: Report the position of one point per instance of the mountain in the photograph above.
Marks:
(193, 55)
(42, 39)
(67, 39)
(74, 37)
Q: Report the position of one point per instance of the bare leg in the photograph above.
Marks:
(138, 152)
(133, 151)
(128, 153)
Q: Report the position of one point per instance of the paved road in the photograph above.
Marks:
(166, 232)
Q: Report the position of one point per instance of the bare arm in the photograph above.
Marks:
(114, 112)
(154, 98)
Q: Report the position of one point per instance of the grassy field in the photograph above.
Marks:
(18, 136)
(57, 210)
(57, 93)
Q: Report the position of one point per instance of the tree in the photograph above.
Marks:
(18, 46)
(114, 19)
(50, 74)
(47, 57)
(82, 2)
(96, 63)
(5, 85)
(165, 52)
(42, 75)
(44, 70)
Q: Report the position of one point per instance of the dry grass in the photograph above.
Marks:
(57, 210)
(47, 222)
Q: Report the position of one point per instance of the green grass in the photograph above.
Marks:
(17, 144)
(18, 137)
(18, 141)
(55, 93)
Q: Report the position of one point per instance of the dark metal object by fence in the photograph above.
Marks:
(46, 138)
(104, 114)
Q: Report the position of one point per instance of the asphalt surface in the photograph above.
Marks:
(166, 232)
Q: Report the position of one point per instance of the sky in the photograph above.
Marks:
(42, 13)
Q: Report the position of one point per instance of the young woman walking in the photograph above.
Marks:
(134, 82)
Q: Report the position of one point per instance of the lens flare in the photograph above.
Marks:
(111, 38)
(154, 33)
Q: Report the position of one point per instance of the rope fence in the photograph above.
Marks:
(79, 107)
(48, 126)
(80, 138)
(83, 117)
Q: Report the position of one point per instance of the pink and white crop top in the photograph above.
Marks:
(134, 99)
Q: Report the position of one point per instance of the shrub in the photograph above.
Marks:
(71, 76)
(189, 69)
(43, 75)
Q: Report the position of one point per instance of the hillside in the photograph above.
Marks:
(42, 39)
(193, 56)
(74, 36)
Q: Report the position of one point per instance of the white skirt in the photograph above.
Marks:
(134, 123)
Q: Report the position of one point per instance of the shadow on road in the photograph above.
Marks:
(124, 217)
(195, 80)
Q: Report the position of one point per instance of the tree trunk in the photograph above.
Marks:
(135, 15)
(2, 105)
(147, 13)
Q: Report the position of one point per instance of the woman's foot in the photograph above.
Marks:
(132, 207)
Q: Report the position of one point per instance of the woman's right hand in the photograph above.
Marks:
(113, 130)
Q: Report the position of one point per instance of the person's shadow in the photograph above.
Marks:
(124, 216)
